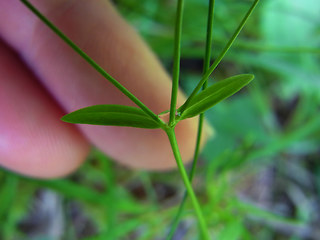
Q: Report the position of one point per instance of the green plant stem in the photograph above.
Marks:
(92, 62)
(220, 57)
(202, 223)
(207, 56)
(176, 61)
(178, 216)
(206, 65)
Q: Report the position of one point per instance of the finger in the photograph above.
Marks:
(32, 139)
(102, 34)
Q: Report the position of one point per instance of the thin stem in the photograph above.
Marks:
(206, 65)
(178, 216)
(174, 145)
(207, 56)
(176, 61)
(91, 61)
(220, 57)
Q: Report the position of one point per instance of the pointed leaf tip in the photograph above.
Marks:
(214, 94)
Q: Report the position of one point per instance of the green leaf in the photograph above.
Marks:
(214, 94)
(111, 115)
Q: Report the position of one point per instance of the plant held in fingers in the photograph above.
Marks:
(143, 117)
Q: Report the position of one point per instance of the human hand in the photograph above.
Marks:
(41, 78)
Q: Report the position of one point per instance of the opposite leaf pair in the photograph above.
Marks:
(126, 116)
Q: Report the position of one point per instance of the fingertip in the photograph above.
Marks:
(33, 141)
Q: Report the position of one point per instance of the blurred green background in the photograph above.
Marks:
(258, 178)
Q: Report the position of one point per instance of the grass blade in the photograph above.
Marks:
(7, 193)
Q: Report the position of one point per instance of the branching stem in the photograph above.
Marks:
(169, 129)
(206, 65)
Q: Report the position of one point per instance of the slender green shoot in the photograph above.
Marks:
(117, 115)
(206, 65)
(175, 149)
(207, 56)
(91, 61)
(176, 61)
(220, 57)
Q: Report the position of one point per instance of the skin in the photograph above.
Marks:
(41, 79)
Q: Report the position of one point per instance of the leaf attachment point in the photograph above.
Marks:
(214, 94)
(112, 115)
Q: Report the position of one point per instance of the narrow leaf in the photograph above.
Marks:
(111, 115)
(214, 94)
(89, 60)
